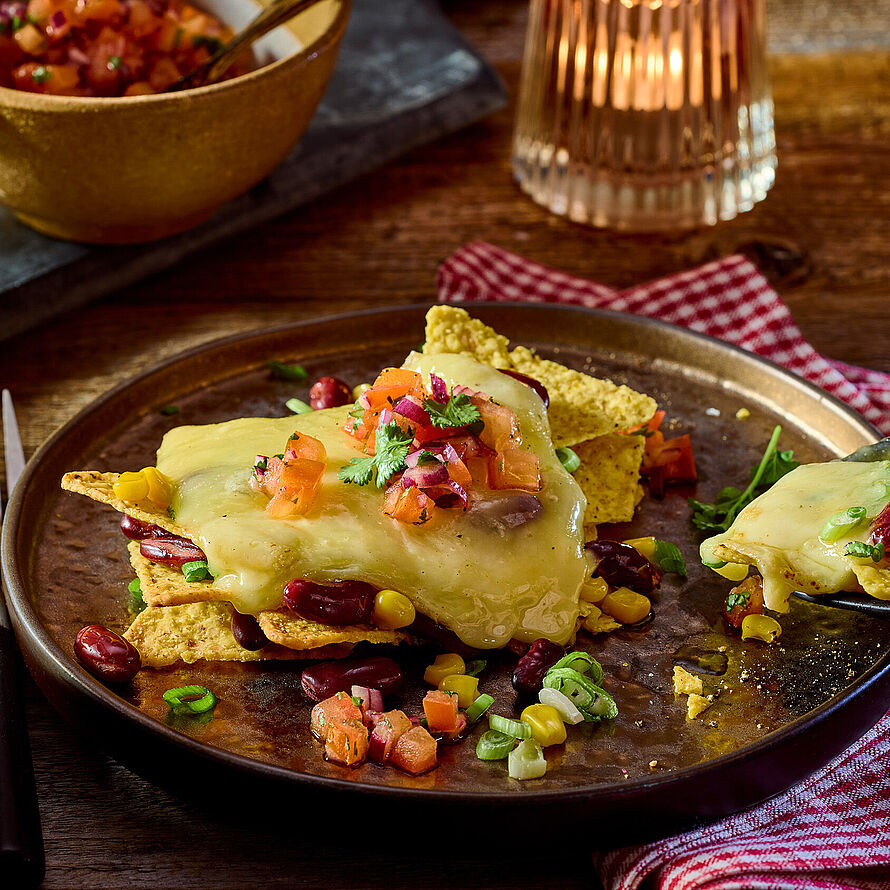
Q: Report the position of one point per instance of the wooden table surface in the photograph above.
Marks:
(823, 235)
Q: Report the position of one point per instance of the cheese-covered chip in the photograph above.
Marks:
(294, 632)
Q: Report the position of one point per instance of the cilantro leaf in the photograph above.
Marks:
(737, 598)
(458, 411)
(719, 516)
(391, 445)
(668, 556)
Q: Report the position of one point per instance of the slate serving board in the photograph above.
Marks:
(405, 76)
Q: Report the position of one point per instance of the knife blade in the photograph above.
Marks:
(22, 861)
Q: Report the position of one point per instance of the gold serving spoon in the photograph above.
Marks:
(212, 70)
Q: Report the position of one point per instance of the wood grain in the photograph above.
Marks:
(379, 241)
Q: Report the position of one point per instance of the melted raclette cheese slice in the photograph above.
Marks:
(779, 531)
(488, 584)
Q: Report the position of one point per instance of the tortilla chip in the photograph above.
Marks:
(581, 407)
(875, 581)
(451, 330)
(294, 632)
(166, 586)
(196, 631)
(609, 476)
(98, 486)
(695, 704)
(686, 683)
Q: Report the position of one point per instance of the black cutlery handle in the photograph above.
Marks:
(21, 841)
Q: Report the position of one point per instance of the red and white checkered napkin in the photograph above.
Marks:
(728, 299)
(831, 831)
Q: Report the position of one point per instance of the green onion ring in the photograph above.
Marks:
(841, 523)
(583, 664)
(494, 745)
(514, 728)
(592, 701)
(190, 699)
(569, 460)
(478, 709)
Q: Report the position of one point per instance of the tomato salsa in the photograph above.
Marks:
(105, 47)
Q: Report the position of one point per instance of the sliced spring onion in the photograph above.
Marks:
(668, 556)
(514, 728)
(583, 664)
(283, 371)
(567, 710)
(592, 701)
(169, 410)
(569, 460)
(196, 570)
(861, 550)
(526, 761)
(478, 709)
(494, 745)
(842, 523)
(190, 699)
(298, 406)
(474, 668)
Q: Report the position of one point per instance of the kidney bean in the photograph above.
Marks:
(343, 602)
(320, 681)
(424, 626)
(137, 530)
(536, 385)
(528, 675)
(247, 632)
(107, 655)
(621, 565)
(506, 510)
(171, 551)
(879, 531)
(329, 392)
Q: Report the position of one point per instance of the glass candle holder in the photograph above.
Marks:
(645, 115)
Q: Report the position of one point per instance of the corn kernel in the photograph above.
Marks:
(160, 489)
(761, 627)
(444, 666)
(594, 590)
(646, 546)
(393, 610)
(626, 605)
(467, 688)
(359, 390)
(546, 723)
(131, 487)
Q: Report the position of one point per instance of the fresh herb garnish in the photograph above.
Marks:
(196, 570)
(719, 516)
(425, 458)
(737, 598)
(391, 444)
(357, 700)
(861, 550)
(171, 512)
(298, 406)
(114, 62)
(474, 668)
(169, 410)
(137, 603)
(17, 22)
(292, 373)
(41, 74)
(668, 556)
(457, 411)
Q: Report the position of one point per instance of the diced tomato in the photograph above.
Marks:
(515, 469)
(468, 446)
(336, 709)
(347, 743)
(292, 485)
(30, 40)
(478, 468)
(743, 600)
(142, 20)
(440, 709)
(459, 473)
(501, 427)
(386, 730)
(650, 425)
(414, 752)
(409, 505)
(36, 78)
(98, 10)
(140, 88)
(299, 445)
(163, 74)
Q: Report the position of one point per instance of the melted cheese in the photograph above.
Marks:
(488, 585)
(779, 531)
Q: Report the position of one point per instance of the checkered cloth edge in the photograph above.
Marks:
(831, 831)
(728, 299)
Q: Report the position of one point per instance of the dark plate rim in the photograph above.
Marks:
(65, 670)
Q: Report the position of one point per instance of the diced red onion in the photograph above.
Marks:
(386, 417)
(425, 476)
(57, 19)
(78, 56)
(459, 490)
(376, 747)
(439, 389)
(466, 391)
(411, 408)
(372, 701)
(449, 453)
(412, 459)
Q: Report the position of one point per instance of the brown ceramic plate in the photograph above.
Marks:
(782, 711)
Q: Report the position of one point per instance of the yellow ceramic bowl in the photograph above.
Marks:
(118, 171)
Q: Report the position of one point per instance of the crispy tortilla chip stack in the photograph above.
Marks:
(191, 621)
